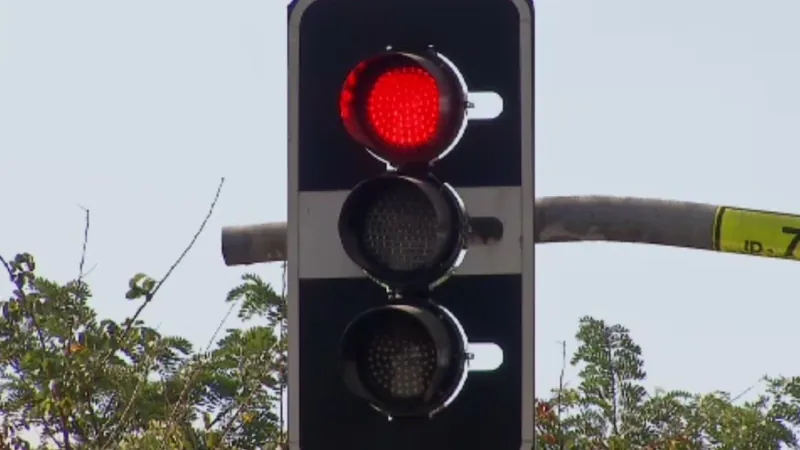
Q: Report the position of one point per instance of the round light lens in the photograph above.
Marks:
(399, 360)
(406, 108)
(403, 108)
(405, 232)
(405, 360)
(400, 229)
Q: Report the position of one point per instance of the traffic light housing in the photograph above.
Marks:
(387, 168)
(406, 230)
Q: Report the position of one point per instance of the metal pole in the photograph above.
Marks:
(590, 218)
(251, 244)
(625, 219)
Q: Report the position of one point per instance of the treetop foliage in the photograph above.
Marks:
(77, 381)
(611, 409)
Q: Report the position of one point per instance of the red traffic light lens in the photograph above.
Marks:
(405, 108)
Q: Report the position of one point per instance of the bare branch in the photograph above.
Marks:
(738, 396)
(93, 419)
(219, 326)
(81, 273)
(232, 421)
(284, 334)
(184, 393)
(89, 272)
(7, 266)
(194, 238)
(123, 419)
(559, 402)
(149, 297)
(183, 397)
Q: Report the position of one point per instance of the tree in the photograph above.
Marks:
(77, 378)
(83, 382)
(610, 409)
(236, 388)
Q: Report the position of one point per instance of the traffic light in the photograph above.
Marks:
(389, 169)
(406, 230)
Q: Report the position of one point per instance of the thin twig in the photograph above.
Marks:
(194, 238)
(613, 376)
(559, 399)
(197, 370)
(246, 403)
(213, 337)
(89, 272)
(7, 266)
(193, 376)
(124, 417)
(184, 396)
(149, 297)
(81, 273)
(222, 413)
(283, 338)
(745, 392)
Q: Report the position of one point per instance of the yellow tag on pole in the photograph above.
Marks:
(760, 233)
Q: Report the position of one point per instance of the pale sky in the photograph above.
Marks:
(136, 109)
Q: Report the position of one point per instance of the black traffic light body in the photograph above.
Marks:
(489, 167)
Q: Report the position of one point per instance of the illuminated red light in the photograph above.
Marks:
(405, 108)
